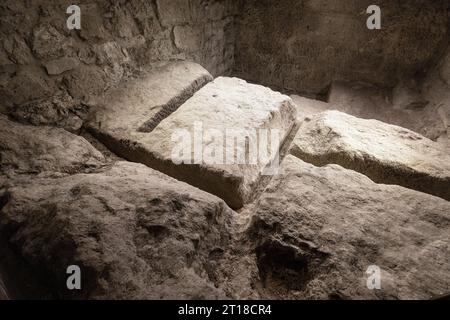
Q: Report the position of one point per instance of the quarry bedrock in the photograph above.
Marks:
(140, 227)
(322, 41)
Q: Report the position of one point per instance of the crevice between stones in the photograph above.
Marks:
(173, 104)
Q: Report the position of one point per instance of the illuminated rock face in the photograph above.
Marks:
(318, 229)
(385, 153)
(135, 233)
(140, 71)
(227, 105)
(224, 105)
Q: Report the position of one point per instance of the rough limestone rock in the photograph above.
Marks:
(3, 292)
(135, 234)
(403, 106)
(385, 153)
(28, 150)
(140, 104)
(307, 107)
(173, 12)
(60, 111)
(303, 46)
(61, 65)
(223, 105)
(320, 228)
(436, 89)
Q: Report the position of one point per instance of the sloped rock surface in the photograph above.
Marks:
(134, 232)
(28, 149)
(385, 153)
(224, 104)
(320, 228)
(136, 107)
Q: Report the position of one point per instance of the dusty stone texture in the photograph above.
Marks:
(3, 292)
(61, 65)
(307, 107)
(134, 232)
(403, 106)
(109, 155)
(436, 90)
(320, 228)
(385, 153)
(25, 84)
(40, 59)
(418, 105)
(221, 105)
(306, 45)
(361, 100)
(138, 106)
(19, 282)
(140, 234)
(26, 149)
(60, 111)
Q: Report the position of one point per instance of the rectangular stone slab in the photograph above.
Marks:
(224, 104)
(140, 104)
(385, 153)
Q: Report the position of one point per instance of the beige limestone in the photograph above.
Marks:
(318, 229)
(385, 153)
(134, 232)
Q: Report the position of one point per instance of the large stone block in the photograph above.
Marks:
(319, 229)
(27, 84)
(227, 108)
(133, 232)
(385, 153)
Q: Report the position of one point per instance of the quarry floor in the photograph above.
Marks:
(351, 195)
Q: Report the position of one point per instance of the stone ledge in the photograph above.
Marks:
(385, 153)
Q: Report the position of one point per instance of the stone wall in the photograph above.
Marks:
(436, 92)
(304, 45)
(48, 74)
